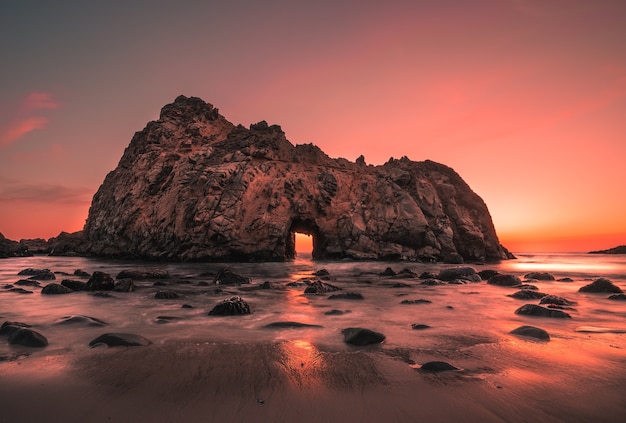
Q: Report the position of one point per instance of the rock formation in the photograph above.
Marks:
(9, 248)
(193, 186)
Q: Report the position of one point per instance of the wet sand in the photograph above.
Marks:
(296, 381)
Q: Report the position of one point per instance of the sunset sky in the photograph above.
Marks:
(525, 99)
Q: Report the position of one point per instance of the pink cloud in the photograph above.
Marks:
(28, 117)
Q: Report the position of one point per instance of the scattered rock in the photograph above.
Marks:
(527, 294)
(406, 274)
(27, 282)
(74, 285)
(81, 273)
(540, 276)
(361, 336)
(419, 326)
(41, 274)
(290, 325)
(621, 297)
(438, 366)
(319, 287)
(346, 296)
(565, 280)
(527, 286)
(504, 280)
(531, 332)
(27, 338)
(161, 320)
(487, 273)
(456, 273)
(388, 272)
(400, 285)
(228, 277)
(335, 312)
(100, 281)
(266, 285)
(186, 306)
(322, 272)
(427, 275)
(120, 340)
(230, 307)
(20, 291)
(601, 285)
(9, 327)
(80, 320)
(418, 301)
(55, 289)
(167, 294)
(535, 310)
(124, 285)
(139, 274)
(554, 299)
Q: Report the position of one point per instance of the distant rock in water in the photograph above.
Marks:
(9, 248)
(193, 186)
(601, 285)
(615, 250)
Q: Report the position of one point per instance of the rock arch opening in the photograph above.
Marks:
(303, 235)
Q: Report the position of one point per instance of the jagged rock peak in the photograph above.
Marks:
(193, 186)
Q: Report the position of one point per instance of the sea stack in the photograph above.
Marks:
(193, 186)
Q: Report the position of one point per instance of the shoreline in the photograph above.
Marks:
(290, 381)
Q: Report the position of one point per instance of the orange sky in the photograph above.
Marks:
(525, 99)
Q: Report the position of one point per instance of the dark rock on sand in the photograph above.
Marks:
(438, 366)
(540, 276)
(432, 282)
(527, 294)
(565, 280)
(9, 327)
(531, 332)
(162, 320)
(74, 285)
(621, 297)
(535, 310)
(230, 307)
(100, 281)
(120, 340)
(39, 274)
(319, 287)
(322, 272)
(419, 326)
(418, 301)
(335, 312)
(290, 325)
(504, 280)
(267, 285)
(361, 336)
(555, 299)
(406, 274)
(601, 285)
(228, 277)
(27, 338)
(487, 273)
(55, 289)
(388, 272)
(139, 274)
(80, 320)
(346, 296)
(124, 285)
(81, 273)
(527, 286)
(427, 275)
(456, 273)
(167, 294)
(20, 291)
(401, 285)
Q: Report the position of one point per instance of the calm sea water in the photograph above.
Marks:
(460, 316)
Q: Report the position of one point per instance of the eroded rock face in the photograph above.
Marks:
(193, 186)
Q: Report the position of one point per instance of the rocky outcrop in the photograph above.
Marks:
(193, 186)
(621, 249)
(9, 248)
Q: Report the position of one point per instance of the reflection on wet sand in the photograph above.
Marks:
(303, 363)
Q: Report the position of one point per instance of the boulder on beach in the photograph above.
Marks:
(74, 285)
(419, 326)
(100, 281)
(555, 299)
(166, 294)
(27, 338)
(9, 327)
(120, 340)
(346, 296)
(538, 311)
(361, 336)
(230, 307)
(228, 277)
(27, 282)
(464, 272)
(80, 320)
(487, 273)
(322, 272)
(43, 274)
(81, 273)
(540, 276)
(504, 280)
(601, 285)
(388, 272)
(527, 294)
(621, 297)
(290, 325)
(335, 312)
(438, 366)
(55, 289)
(531, 332)
(143, 274)
(20, 290)
(418, 301)
(319, 287)
(124, 285)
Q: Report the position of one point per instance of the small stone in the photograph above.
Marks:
(601, 285)
(346, 296)
(55, 289)
(416, 326)
(120, 340)
(361, 336)
(230, 307)
(531, 332)
(438, 366)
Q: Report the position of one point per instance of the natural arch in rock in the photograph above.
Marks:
(193, 186)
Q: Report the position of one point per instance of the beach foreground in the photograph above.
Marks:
(295, 381)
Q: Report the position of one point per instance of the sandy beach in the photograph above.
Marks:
(296, 381)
